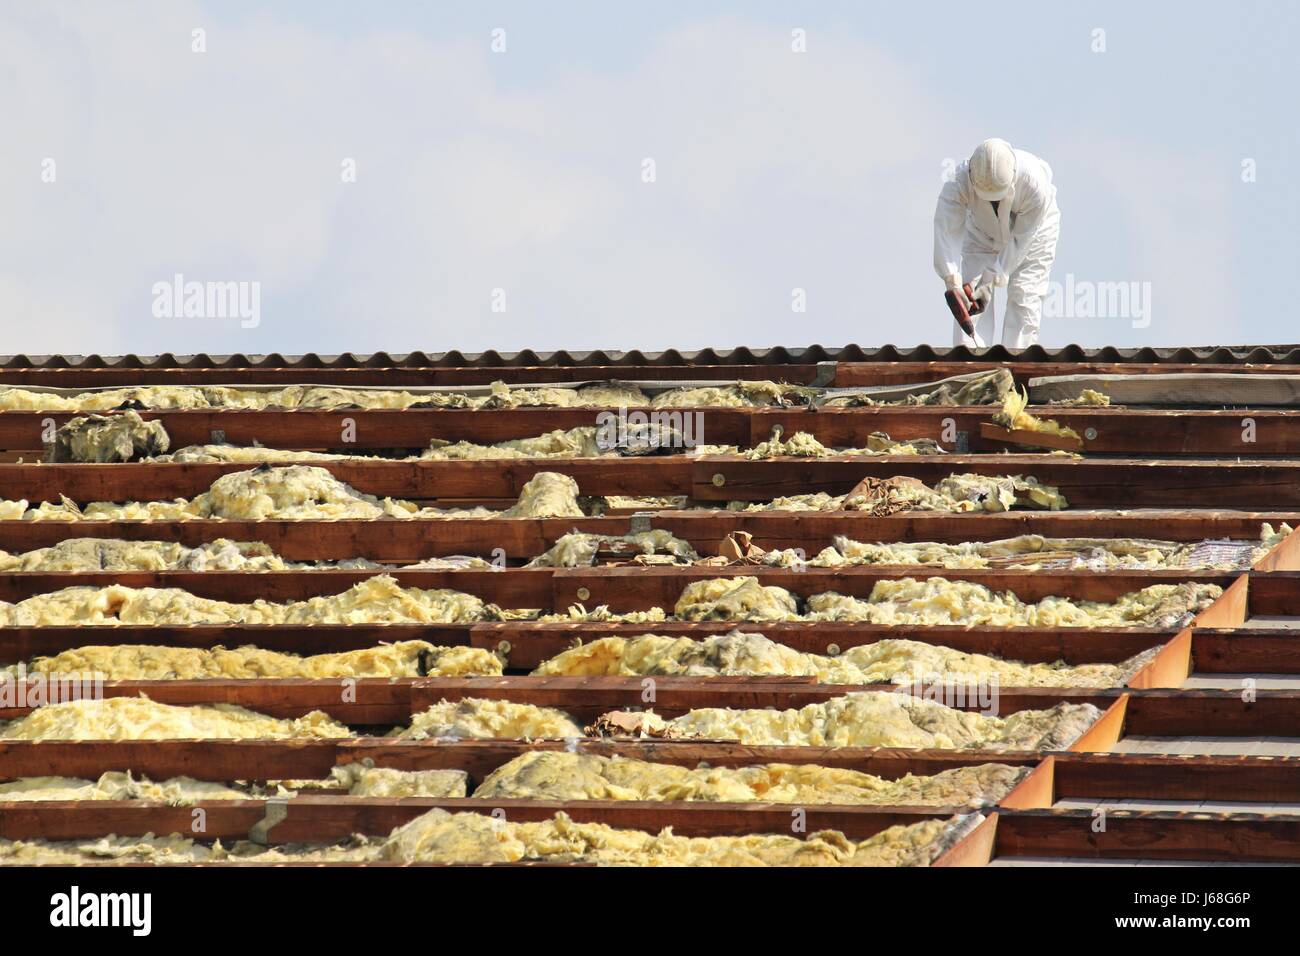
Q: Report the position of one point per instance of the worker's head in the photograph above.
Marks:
(993, 169)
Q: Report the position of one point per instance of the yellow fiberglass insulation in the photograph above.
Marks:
(576, 550)
(499, 395)
(884, 662)
(547, 495)
(474, 838)
(152, 662)
(735, 599)
(956, 493)
(477, 718)
(115, 785)
(882, 719)
(113, 554)
(1014, 417)
(940, 601)
(362, 781)
(442, 837)
(107, 438)
(299, 492)
(376, 600)
(805, 445)
(556, 775)
(357, 780)
(1032, 550)
(139, 718)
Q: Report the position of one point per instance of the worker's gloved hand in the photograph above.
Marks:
(954, 284)
(988, 281)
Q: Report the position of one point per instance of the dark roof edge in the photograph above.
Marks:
(743, 355)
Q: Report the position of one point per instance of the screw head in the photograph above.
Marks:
(583, 594)
(1090, 433)
(719, 480)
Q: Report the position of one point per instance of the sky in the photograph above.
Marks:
(397, 176)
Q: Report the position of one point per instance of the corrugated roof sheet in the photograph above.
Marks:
(779, 355)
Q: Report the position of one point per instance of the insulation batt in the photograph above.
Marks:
(940, 601)
(300, 492)
(476, 718)
(555, 775)
(908, 601)
(112, 554)
(442, 837)
(222, 554)
(362, 781)
(500, 395)
(1014, 417)
(577, 442)
(358, 780)
(805, 445)
(884, 662)
(376, 600)
(151, 662)
(880, 719)
(108, 438)
(577, 550)
(956, 493)
(114, 785)
(474, 838)
(139, 718)
(735, 599)
(1033, 551)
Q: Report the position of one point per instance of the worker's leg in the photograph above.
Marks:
(974, 260)
(1028, 284)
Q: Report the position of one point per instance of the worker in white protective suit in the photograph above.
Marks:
(997, 224)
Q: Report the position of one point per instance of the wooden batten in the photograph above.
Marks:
(1237, 779)
(321, 819)
(1171, 665)
(1038, 789)
(975, 848)
(1106, 732)
(1283, 556)
(1115, 483)
(1136, 835)
(1231, 608)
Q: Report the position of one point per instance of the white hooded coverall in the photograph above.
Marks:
(1017, 242)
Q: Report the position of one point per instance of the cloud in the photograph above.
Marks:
(774, 170)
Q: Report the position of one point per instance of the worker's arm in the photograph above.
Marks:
(949, 225)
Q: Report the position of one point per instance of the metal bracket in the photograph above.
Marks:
(825, 374)
(961, 444)
(640, 521)
(277, 810)
(218, 436)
